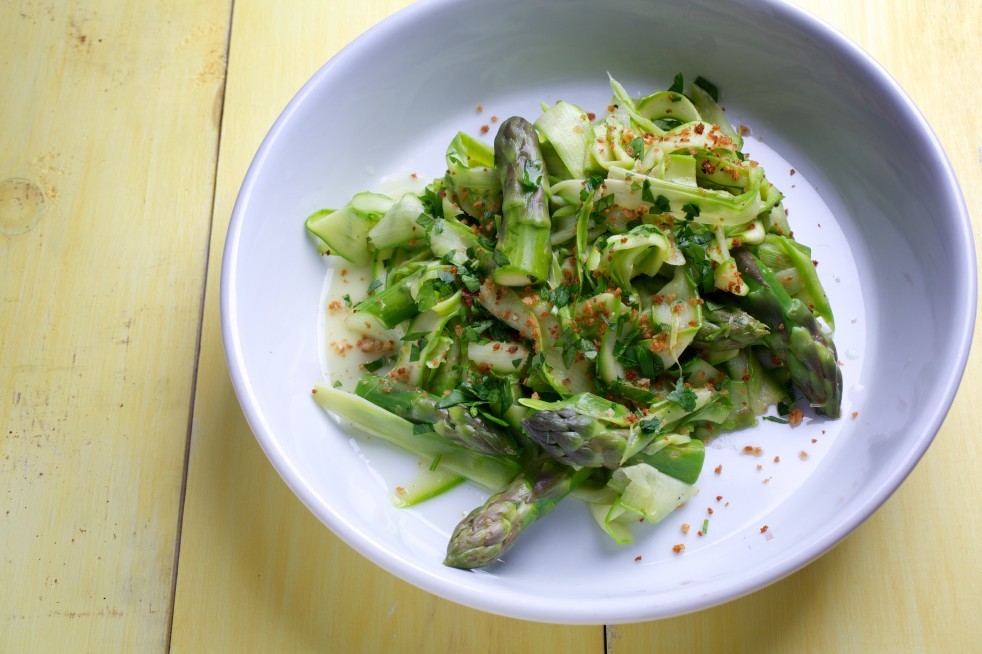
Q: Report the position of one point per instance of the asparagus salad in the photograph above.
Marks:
(576, 309)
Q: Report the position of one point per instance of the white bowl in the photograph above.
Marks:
(873, 194)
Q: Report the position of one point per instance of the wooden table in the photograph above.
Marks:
(137, 512)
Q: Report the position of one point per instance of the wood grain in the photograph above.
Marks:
(107, 158)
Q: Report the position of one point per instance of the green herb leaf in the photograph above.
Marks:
(659, 204)
(684, 397)
(606, 202)
(559, 296)
(668, 124)
(627, 357)
(636, 146)
(425, 221)
(347, 300)
(691, 210)
(456, 396)
(646, 195)
(372, 366)
(693, 234)
(708, 87)
(649, 365)
(531, 175)
(568, 353)
(700, 267)
(678, 84)
(416, 349)
(470, 280)
(692, 239)
(784, 407)
(780, 421)
(485, 241)
(590, 184)
(376, 283)
(473, 331)
(659, 327)
(455, 258)
(432, 202)
(426, 298)
(496, 331)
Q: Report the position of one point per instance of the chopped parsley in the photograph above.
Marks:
(708, 87)
(590, 184)
(432, 202)
(691, 210)
(531, 175)
(678, 84)
(683, 396)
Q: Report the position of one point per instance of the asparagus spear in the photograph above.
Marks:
(523, 239)
(728, 328)
(454, 423)
(575, 437)
(492, 472)
(796, 336)
(491, 529)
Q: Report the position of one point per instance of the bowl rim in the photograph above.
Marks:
(830, 38)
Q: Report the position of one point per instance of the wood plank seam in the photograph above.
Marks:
(197, 344)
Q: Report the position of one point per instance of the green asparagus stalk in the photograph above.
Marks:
(491, 472)
(796, 336)
(491, 529)
(523, 239)
(728, 328)
(576, 437)
(454, 423)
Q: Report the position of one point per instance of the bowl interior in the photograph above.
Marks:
(872, 192)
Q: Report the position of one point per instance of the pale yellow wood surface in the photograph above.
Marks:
(109, 116)
(108, 129)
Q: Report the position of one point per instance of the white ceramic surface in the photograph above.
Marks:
(873, 193)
